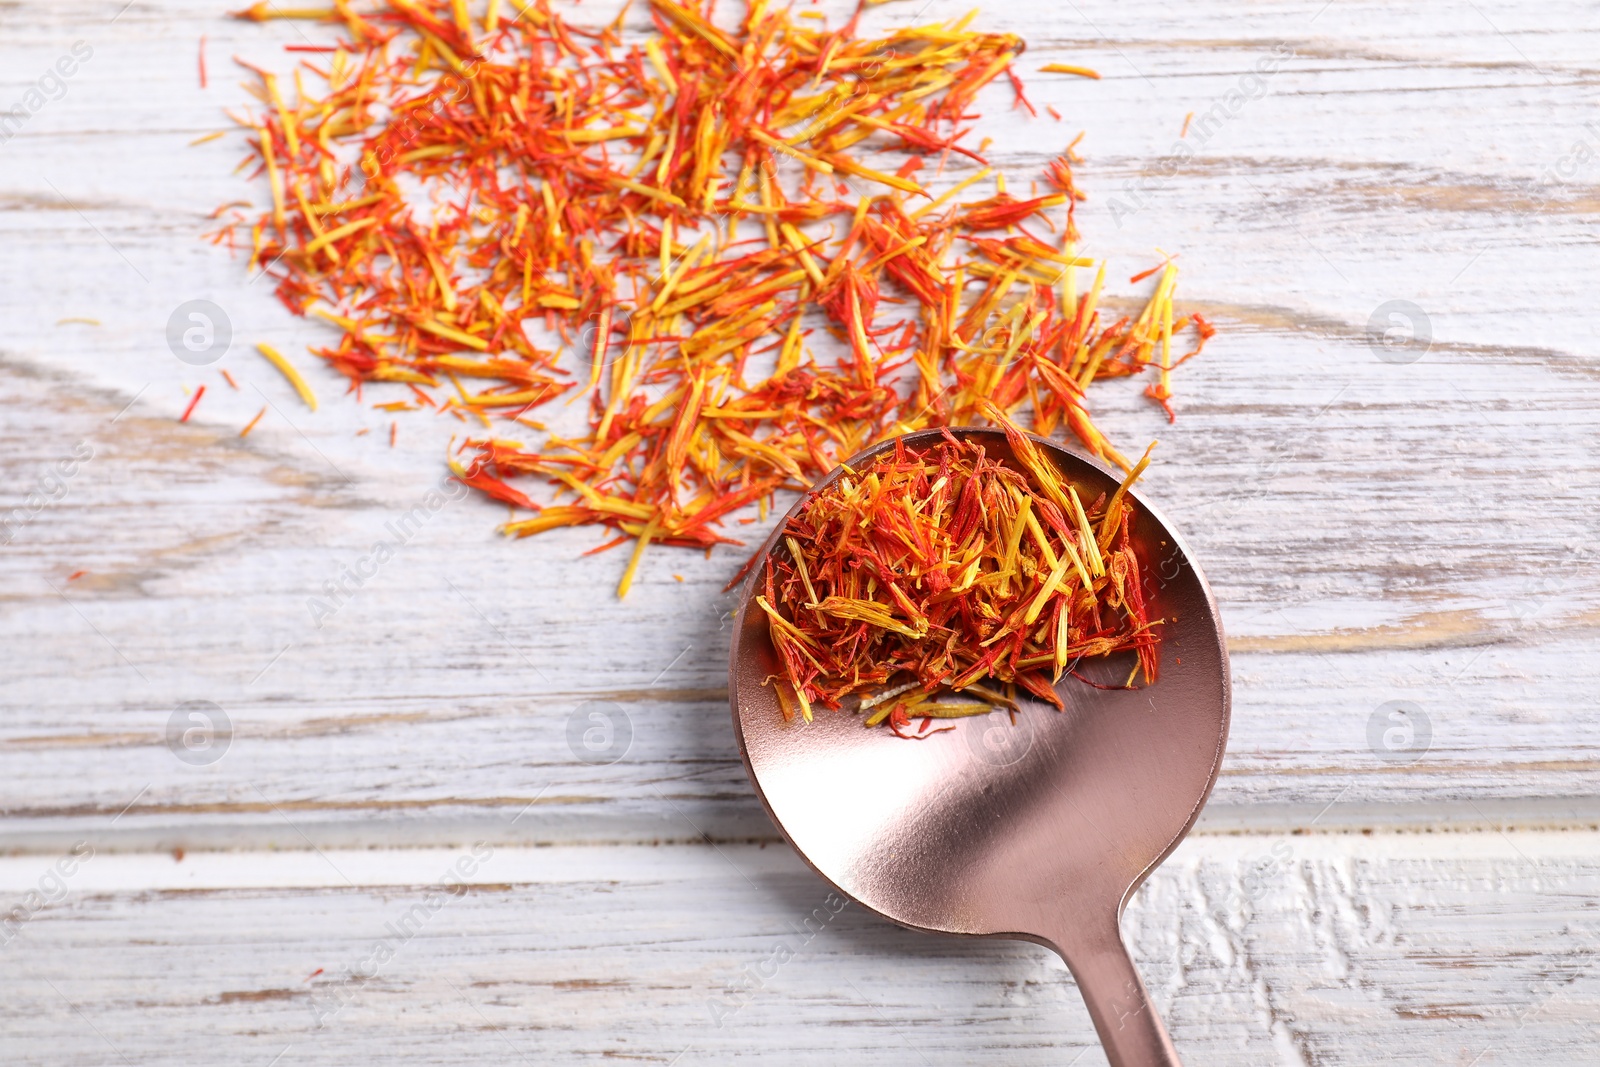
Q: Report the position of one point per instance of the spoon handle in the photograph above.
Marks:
(1130, 1029)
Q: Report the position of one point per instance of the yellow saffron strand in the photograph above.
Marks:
(287, 369)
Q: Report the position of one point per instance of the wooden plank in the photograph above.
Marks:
(1321, 949)
(1376, 532)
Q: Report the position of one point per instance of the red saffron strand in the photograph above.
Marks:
(198, 393)
(939, 574)
(675, 215)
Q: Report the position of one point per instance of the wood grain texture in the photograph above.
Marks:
(1328, 950)
(1375, 532)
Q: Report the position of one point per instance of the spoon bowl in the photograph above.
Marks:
(1038, 830)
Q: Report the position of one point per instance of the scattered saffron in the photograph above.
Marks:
(717, 240)
(198, 393)
(252, 423)
(1067, 68)
(288, 370)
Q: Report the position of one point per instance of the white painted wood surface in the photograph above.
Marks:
(1376, 532)
(1403, 949)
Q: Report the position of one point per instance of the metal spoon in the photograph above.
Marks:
(1039, 830)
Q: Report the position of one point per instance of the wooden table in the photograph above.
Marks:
(1407, 523)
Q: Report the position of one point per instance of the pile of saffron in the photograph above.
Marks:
(720, 238)
(938, 571)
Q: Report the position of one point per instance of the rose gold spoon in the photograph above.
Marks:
(1038, 831)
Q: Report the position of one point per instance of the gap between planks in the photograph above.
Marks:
(1568, 820)
(365, 868)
